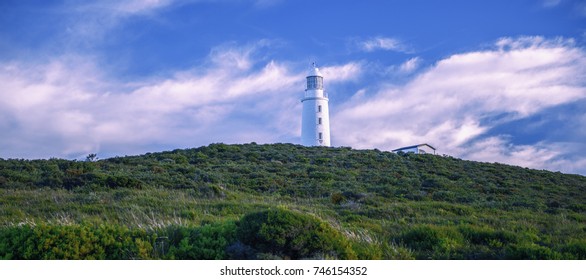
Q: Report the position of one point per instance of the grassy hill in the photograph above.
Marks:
(288, 201)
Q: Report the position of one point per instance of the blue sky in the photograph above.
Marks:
(495, 81)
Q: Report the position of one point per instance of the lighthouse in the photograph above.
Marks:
(315, 121)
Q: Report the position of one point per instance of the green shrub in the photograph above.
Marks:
(575, 250)
(292, 235)
(57, 242)
(123, 182)
(488, 237)
(530, 252)
(14, 242)
(208, 242)
(433, 242)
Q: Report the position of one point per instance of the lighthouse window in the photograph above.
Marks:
(311, 82)
(319, 108)
(315, 82)
(319, 121)
(320, 136)
(319, 82)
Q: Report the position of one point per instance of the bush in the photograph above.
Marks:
(530, 252)
(486, 243)
(575, 250)
(56, 242)
(433, 242)
(123, 182)
(208, 242)
(292, 235)
(488, 237)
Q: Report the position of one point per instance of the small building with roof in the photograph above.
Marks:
(417, 149)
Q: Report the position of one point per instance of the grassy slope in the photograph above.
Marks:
(421, 206)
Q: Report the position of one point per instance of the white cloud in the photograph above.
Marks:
(340, 73)
(230, 55)
(560, 156)
(410, 65)
(448, 105)
(68, 108)
(382, 43)
(405, 68)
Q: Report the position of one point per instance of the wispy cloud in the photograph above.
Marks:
(238, 56)
(405, 68)
(578, 7)
(90, 21)
(410, 65)
(550, 3)
(68, 107)
(341, 73)
(138, 6)
(450, 104)
(383, 43)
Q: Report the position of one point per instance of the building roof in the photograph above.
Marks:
(414, 146)
(314, 71)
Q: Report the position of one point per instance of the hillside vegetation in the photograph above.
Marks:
(286, 201)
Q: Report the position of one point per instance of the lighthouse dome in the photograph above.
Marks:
(314, 71)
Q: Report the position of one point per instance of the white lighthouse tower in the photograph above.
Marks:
(315, 123)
